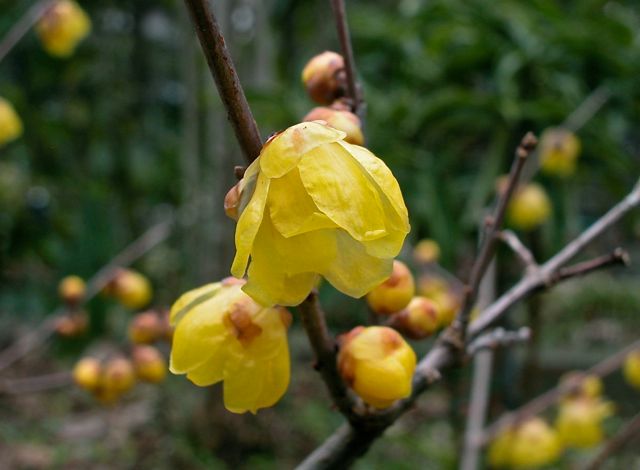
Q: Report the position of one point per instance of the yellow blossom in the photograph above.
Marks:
(532, 444)
(10, 123)
(559, 151)
(62, 27)
(131, 288)
(631, 369)
(579, 421)
(313, 205)
(221, 334)
(529, 207)
(378, 364)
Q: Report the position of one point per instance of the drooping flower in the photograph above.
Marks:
(531, 444)
(221, 334)
(10, 123)
(313, 205)
(559, 152)
(579, 421)
(62, 28)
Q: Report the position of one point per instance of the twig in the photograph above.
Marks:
(226, 78)
(498, 337)
(353, 88)
(40, 383)
(587, 109)
(618, 256)
(324, 347)
(542, 402)
(617, 442)
(23, 25)
(516, 245)
(132, 252)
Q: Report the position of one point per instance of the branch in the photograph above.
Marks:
(41, 383)
(353, 87)
(226, 78)
(587, 109)
(516, 245)
(617, 442)
(542, 402)
(152, 237)
(499, 337)
(23, 25)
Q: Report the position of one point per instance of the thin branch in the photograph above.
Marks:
(324, 347)
(353, 87)
(36, 384)
(618, 256)
(617, 442)
(516, 245)
(23, 25)
(542, 402)
(226, 78)
(499, 337)
(149, 239)
(587, 109)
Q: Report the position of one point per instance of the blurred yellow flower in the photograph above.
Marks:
(62, 28)
(313, 205)
(559, 151)
(579, 421)
(223, 335)
(529, 207)
(10, 123)
(631, 368)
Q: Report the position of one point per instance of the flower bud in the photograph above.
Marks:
(426, 251)
(62, 28)
(532, 444)
(378, 364)
(418, 320)
(71, 290)
(118, 376)
(579, 421)
(324, 77)
(132, 289)
(146, 327)
(86, 373)
(393, 294)
(559, 150)
(344, 121)
(449, 304)
(529, 207)
(582, 385)
(10, 123)
(72, 325)
(149, 364)
(631, 369)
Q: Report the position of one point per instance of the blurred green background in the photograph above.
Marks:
(130, 130)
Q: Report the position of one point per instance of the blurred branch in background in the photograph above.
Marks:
(23, 25)
(587, 109)
(630, 431)
(41, 383)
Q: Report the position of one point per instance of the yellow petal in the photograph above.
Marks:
(248, 226)
(341, 189)
(247, 185)
(281, 155)
(192, 297)
(211, 371)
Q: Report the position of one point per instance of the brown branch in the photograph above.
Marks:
(617, 442)
(23, 25)
(499, 337)
(226, 78)
(36, 384)
(516, 245)
(542, 402)
(353, 87)
(40, 334)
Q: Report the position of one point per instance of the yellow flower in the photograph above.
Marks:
(131, 288)
(559, 151)
(529, 207)
(313, 205)
(10, 123)
(532, 444)
(378, 364)
(63, 27)
(584, 385)
(223, 335)
(631, 369)
(579, 421)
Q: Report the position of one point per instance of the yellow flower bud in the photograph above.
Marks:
(221, 334)
(146, 327)
(426, 251)
(420, 319)
(324, 77)
(448, 303)
(585, 385)
(317, 206)
(395, 293)
(132, 289)
(71, 289)
(87, 372)
(532, 444)
(62, 28)
(529, 207)
(10, 123)
(559, 150)
(149, 364)
(631, 369)
(344, 121)
(378, 364)
(72, 325)
(579, 421)
(118, 376)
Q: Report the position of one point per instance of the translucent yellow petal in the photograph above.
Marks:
(355, 272)
(211, 371)
(273, 287)
(282, 153)
(292, 210)
(177, 309)
(247, 184)
(248, 226)
(342, 190)
(386, 247)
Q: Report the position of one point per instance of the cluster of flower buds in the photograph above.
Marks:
(62, 28)
(324, 78)
(130, 288)
(75, 321)
(530, 444)
(10, 123)
(149, 327)
(559, 151)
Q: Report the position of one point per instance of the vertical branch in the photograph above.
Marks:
(23, 26)
(226, 78)
(355, 93)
